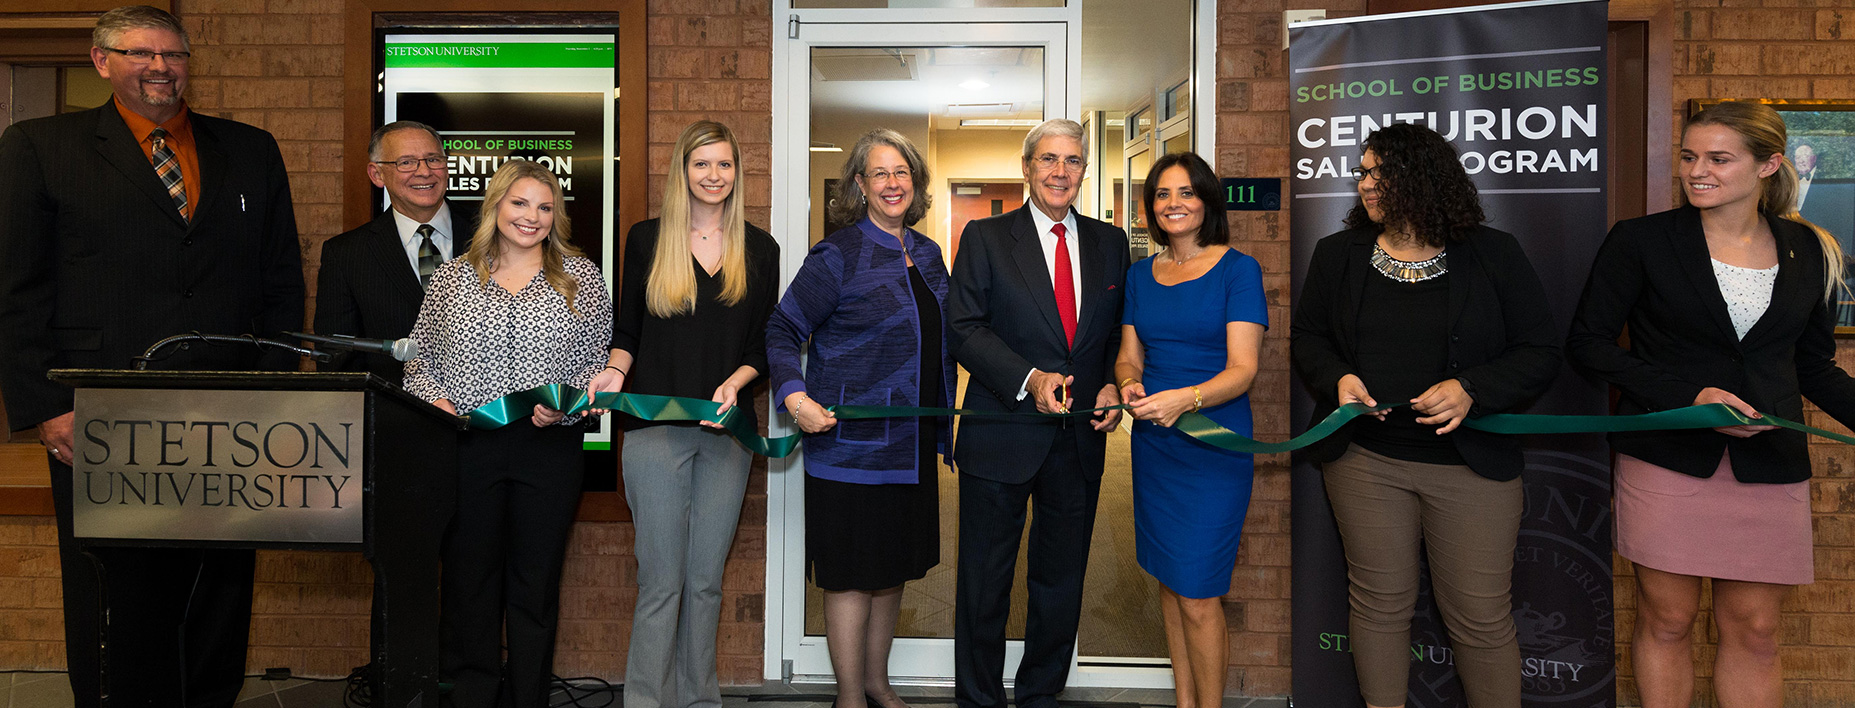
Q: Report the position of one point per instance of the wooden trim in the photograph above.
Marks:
(24, 465)
(358, 87)
(39, 46)
(25, 480)
(25, 501)
(603, 507)
(14, 22)
(1658, 97)
(75, 7)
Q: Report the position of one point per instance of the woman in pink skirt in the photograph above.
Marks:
(1728, 300)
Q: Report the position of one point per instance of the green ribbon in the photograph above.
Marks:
(571, 400)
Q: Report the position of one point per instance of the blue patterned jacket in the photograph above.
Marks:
(851, 298)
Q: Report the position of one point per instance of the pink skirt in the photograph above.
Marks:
(1716, 527)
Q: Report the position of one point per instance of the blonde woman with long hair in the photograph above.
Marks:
(699, 284)
(520, 309)
(1729, 299)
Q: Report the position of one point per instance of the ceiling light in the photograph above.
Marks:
(824, 147)
(999, 122)
(974, 85)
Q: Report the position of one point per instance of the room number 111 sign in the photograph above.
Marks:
(1252, 194)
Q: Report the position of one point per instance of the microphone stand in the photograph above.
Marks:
(182, 340)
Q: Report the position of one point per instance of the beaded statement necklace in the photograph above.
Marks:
(1407, 271)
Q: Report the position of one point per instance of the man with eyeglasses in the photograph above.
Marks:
(124, 224)
(1035, 316)
(372, 279)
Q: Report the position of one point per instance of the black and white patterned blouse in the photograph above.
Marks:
(479, 342)
(1747, 292)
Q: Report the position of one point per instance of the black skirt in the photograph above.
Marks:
(876, 536)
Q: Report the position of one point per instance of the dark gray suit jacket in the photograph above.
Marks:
(1002, 314)
(367, 288)
(96, 264)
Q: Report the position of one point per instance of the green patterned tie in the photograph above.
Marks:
(428, 255)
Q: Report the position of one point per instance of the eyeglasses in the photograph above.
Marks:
(1360, 173)
(409, 164)
(883, 176)
(1049, 161)
(143, 56)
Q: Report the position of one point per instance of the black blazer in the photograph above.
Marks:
(1501, 337)
(367, 288)
(1655, 274)
(1001, 313)
(96, 265)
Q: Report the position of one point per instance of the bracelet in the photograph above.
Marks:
(621, 372)
(1197, 399)
(1126, 381)
(803, 399)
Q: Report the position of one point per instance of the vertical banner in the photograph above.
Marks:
(1518, 89)
(497, 97)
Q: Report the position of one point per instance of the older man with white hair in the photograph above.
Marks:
(1035, 314)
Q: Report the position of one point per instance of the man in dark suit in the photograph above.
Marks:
(122, 225)
(373, 278)
(1035, 312)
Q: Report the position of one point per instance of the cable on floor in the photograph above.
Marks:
(574, 690)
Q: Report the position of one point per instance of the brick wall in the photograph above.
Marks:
(1778, 49)
(1252, 139)
(277, 64)
(31, 621)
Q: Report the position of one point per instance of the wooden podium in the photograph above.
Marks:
(313, 461)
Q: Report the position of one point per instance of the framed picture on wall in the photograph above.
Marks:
(1822, 146)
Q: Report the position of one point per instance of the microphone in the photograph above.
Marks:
(403, 349)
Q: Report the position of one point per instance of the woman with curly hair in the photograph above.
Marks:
(1417, 302)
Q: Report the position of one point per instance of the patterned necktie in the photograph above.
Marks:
(1065, 286)
(428, 255)
(167, 167)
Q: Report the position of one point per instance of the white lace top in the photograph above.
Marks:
(1747, 292)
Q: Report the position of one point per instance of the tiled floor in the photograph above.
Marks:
(18, 690)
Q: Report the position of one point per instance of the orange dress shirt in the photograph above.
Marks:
(179, 139)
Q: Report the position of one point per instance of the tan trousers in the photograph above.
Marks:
(1387, 510)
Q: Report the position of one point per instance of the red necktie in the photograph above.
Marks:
(1065, 287)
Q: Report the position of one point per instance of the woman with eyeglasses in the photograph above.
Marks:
(1420, 306)
(871, 299)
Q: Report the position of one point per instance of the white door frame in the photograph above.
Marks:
(788, 653)
(912, 661)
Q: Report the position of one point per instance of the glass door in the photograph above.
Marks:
(965, 94)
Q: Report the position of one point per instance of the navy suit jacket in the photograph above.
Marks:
(98, 265)
(1002, 315)
(367, 288)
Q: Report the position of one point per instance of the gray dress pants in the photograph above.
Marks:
(684, 486)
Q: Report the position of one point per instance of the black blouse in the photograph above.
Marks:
(690, 354)
(1403, 351)
(1501, 341)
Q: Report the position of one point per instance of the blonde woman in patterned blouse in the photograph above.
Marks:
(522, 308)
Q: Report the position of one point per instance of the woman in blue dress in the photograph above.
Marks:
(1190, 341)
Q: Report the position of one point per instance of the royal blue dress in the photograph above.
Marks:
(1190, 497)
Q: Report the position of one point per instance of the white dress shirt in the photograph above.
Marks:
(441, 234)
(1047, 235)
